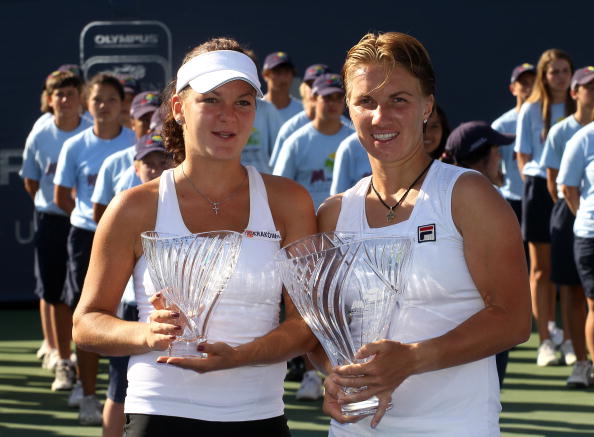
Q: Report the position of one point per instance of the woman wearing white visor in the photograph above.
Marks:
(238, 389)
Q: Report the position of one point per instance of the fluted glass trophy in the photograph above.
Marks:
(346, 287)
(191, 271)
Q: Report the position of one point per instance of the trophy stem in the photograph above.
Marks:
(362, 408)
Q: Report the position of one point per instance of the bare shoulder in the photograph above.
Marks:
(130, 213)
(477, 204)
(328, 213)
(291, 206)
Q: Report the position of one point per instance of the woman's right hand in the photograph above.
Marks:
(331, 407)
(164, 325)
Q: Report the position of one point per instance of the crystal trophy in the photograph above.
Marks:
(346, 287)
(191, 271)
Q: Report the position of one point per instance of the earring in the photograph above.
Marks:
(179, 121)
(425, 121)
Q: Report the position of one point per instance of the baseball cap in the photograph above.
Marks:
(471, 136)
(275, 59)
(210, 70)
(129, 83)
(72, 68)
(143, 103)
(327, 84)
(521, 69)
(582, 76)
(315, 70)
(148, 143)
(156, 121)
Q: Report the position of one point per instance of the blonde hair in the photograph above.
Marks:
(390, 50)
(541, 92)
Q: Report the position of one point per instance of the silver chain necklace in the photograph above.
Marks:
(213, 205)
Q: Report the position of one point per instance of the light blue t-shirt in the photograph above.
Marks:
(110, 173)
(127, 180)
(78, 166)
(513, 186)
(40, 159)
(529, 134)
(43, 118)
(261, 141)
(577, 170)
(294, 107)
(308, 158)
(351, 164)
(291, 125)
(558, 137)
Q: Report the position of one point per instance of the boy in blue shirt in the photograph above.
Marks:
(78, 165)
(278, 72)
(63, 94)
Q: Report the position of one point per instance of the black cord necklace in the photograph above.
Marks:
(390, 215)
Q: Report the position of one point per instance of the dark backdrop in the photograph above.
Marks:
(474, 46)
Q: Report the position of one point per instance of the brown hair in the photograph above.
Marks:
(542, 92)
(106, 79)
(58, 79)
(172, 133)
(391, 49)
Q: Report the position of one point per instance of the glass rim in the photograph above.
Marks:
(158, 235)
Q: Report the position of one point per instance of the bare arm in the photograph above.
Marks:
(98, 211)
(522, 159)
(572, 197)
(116, 247)
(63, 198)
(31, 187)
(552, 184)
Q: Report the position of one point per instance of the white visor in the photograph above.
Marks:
(210, 70)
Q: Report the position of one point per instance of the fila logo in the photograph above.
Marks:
(426, 233)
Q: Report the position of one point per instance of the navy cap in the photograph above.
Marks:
(471, 136)
(147, 144)
(327, 84)
(156, 121)
(275, 59)
(143, 103)
(582, 77)
(521, 69)
(129, 84)
(314, 71)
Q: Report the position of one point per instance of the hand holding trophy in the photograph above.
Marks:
(191, 271)
(346, 286)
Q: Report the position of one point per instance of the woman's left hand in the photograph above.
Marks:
(391, 363)
(220, 356)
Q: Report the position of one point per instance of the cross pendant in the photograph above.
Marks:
(215, 207)
(390, 215)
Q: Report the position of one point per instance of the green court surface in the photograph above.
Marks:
(535, 400)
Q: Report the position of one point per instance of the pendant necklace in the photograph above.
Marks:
(215, 206)
(390, 215)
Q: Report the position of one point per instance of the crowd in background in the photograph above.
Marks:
(99, 138)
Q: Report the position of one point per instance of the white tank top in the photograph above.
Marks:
(440, 294)
(248, 308)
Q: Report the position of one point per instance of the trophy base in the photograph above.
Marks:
(363, 408)
(185, 349)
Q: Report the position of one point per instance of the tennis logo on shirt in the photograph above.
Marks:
(426, 233)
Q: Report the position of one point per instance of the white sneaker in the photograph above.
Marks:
(91, 411)
(567, 353)
(581, 375)
(555, 333)
(546, 354)
(50, 360)
(76, 395)
(311, 388)
(43, 349)
(65, 376)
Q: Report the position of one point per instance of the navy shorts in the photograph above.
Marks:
(80, 242)
(118, 366)
(536, 210)
(145, 425)
(51, 256)
(584, 261)
(563, 269)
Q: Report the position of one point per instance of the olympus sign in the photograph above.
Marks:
(126, 40)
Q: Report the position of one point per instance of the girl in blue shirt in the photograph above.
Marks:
(549, 102)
